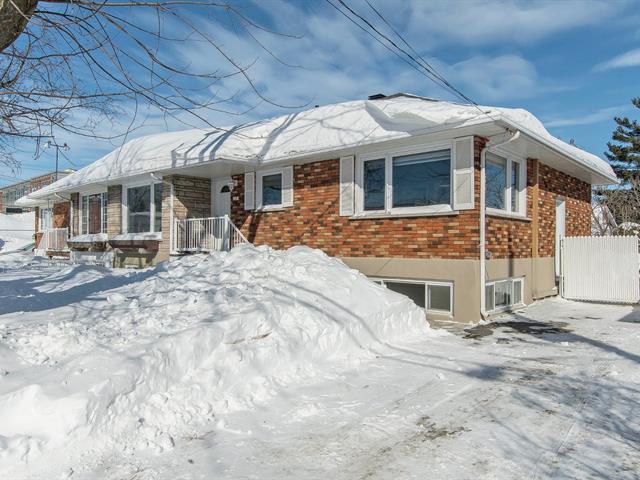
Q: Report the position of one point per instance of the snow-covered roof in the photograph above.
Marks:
(316, 131)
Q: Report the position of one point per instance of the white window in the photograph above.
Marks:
(504, 294)
(416, 180)
(274, 188)
(435, 297)
(93, 213)
(45, 220)
(505, 185)
(143, 208)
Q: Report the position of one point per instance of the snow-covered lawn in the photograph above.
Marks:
(16, 231)
(261, 364)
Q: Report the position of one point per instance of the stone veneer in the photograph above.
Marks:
(191, 199)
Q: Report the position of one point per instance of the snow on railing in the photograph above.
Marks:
(205, 235)
(53, 240)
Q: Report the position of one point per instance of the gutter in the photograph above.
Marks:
(514, 135)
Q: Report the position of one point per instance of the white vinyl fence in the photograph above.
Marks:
(600, 269)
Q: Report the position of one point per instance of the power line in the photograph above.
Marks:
(419, 64)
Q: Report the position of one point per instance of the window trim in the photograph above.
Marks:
(152, 206)
(388, 155)
(266, 173)
(510, 160)
(426, 283)
(512, 305)
(103, 207)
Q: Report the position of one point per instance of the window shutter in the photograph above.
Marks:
(287, 187)
(249, 191)
(463, 174)
(346, 186)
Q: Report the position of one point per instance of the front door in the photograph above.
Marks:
(560, 230)
(222, 197)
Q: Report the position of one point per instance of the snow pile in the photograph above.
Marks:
(16, 231)
(171, 349)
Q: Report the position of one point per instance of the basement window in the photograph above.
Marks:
(504, 294)
(435, 297)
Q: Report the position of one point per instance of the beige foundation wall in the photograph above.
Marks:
(463, 273)
(539, 275)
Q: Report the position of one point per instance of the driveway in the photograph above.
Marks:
(550, 392)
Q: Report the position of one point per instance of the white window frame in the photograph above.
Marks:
(266, 173)
(81, 219)
(512, 162)
(511, 306)
(152, 207)
(388, 156)
(426, 283)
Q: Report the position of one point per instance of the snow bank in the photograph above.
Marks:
(16, 231)
(173, 348)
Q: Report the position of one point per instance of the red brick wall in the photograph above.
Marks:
(314, 220)
(577, 195)
(511, 238)
(61, 214)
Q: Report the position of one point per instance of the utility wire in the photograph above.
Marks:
(415, 60)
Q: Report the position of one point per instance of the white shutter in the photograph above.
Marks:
(346, 186)
(463, 173)
(287, 187)
(249, 191)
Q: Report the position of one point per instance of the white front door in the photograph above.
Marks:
(222, 197)
(560, 229)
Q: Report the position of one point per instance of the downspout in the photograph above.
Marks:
(483, 215)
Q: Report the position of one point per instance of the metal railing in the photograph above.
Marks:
(53, 240)
(205, 235)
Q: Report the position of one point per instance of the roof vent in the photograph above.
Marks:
(377, 96)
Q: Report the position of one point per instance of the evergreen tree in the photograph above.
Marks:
(624, 155)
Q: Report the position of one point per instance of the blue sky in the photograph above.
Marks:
(574, 64)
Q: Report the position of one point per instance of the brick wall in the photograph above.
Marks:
(192, 196)
(314, 220)
(114, 210)
(577, 194)
(60, 213)
(511, 238)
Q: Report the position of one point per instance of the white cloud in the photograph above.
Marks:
(500, 78)
(601, 115)
(624, 60)
(494, 21)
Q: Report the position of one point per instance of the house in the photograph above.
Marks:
(459, 207)
(9, 194)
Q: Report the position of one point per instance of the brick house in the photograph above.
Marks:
(459, 208)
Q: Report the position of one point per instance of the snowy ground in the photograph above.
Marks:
(555, 393)
(16, 231)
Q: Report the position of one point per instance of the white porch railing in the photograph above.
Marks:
(205, 235)
(53, 240)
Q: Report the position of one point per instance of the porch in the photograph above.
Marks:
(52, 242)
(193, 235)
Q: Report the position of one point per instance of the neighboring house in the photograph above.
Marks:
(9, 194)
(391, 185)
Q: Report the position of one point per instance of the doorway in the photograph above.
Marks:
(222, 196)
